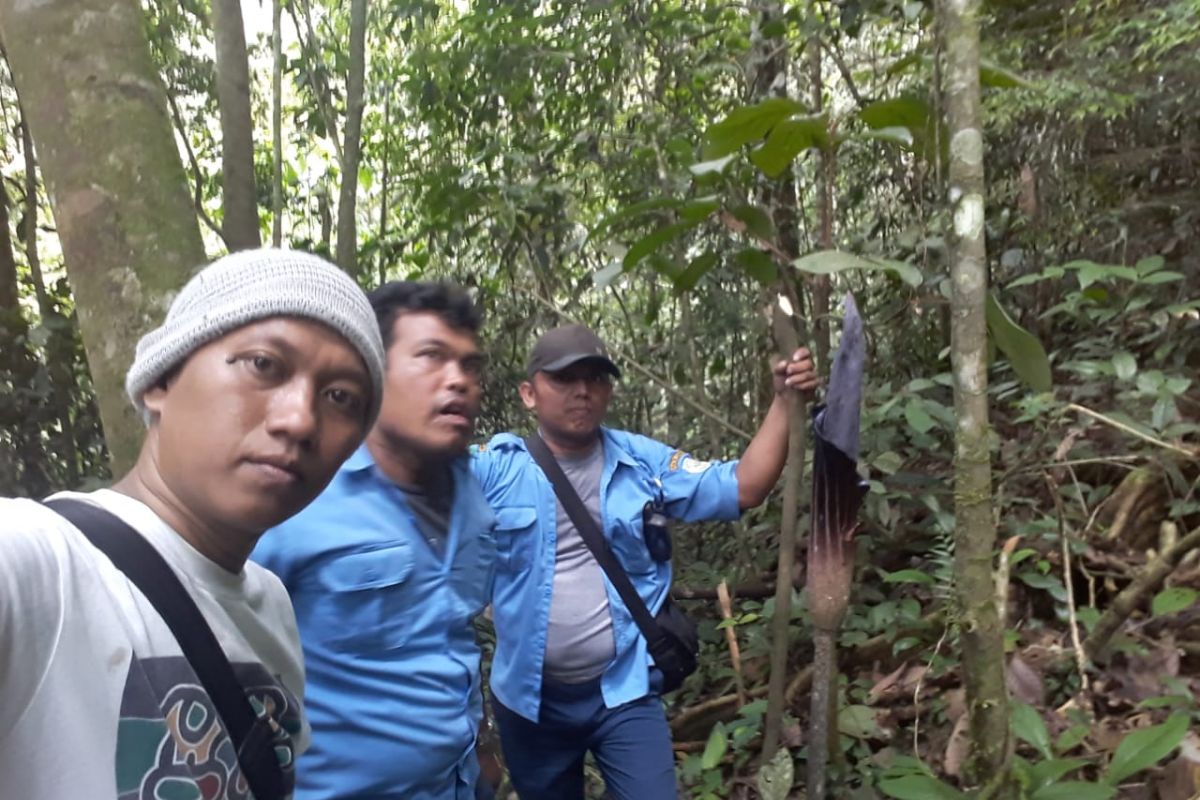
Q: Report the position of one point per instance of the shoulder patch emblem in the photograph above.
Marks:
(674, 463)
(695, 467)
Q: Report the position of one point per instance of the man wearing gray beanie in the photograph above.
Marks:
(265, 375)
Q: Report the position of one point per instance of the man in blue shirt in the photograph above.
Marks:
(571, 671)
(388, 568)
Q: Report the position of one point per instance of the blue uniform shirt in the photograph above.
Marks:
(392, 690)
(636, 470)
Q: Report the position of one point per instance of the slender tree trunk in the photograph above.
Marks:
(347, 228)
(383, 188)
(13, 329)
(277, 122)
(820, 292)
(60, 371)
(10, 290)
(787, 333)
(240, 196)
(975, 534)
(98, 113)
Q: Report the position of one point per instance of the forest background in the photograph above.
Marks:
(1023, 618)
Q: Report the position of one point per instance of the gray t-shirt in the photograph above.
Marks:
(579, 642)
(431, 504)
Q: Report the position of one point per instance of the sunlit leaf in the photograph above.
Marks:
(893, 134)
(748, 124)
(1172, 599)
(825, 262)
(997, 77)
(608, 274)
(1125, 364)
(1024, 351)
(787, 140)
(710, 167)
(714, 750)
(775, 777)
(917, 417)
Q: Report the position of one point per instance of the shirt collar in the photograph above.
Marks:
(360, 460)
(611, 445)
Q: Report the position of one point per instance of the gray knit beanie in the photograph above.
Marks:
(252, 285)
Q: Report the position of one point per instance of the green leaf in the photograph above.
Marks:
(1024, 351)
(1028, 725)
(1155, 278)
(748, 124)
(710, 167)
(691, 275)
(635, 210)
(756, 220)
(1172, 599)
(699, 210)
(858, 721)
(1150, 264)
(758, 265)
(997, 77)
(1074, 790)
(894, 135)
(825, 262)
(917, 417)
(1072, 736)
(1047, 772)
(1125, 364)
(608, 274)
(1025, 280)
(714, 751)
(907, 576)
(1145, 748)
(775, 777)
(652, 241)
(787, 140)
(919, 787)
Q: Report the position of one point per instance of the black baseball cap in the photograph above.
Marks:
(561, 347)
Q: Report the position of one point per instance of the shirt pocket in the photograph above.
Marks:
(516, 537)
(364, 599)
(630, 546)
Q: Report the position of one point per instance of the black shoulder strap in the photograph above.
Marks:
(143, 565)
(593, 537)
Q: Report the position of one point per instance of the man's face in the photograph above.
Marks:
(432, 392)
(570, 404)
(254, 425)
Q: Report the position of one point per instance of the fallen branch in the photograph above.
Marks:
(1145, 583)
(1121, 426)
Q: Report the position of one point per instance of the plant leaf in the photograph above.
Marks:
(997, 77)
(652, 241)
(748, 124)
(1047, 772)
(758, 265)
(776, 776)
(709, 167)
(1125, 365)
(1024, 351)
(1172, 599)
(907, 576)
(1029, 726)
(787, 140)
(1074, 790)
(919, 787)
(825, 262)
(1145, 748)
(695, 270)
(714, 751)
(756, 220)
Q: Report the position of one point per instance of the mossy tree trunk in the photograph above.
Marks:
(975, 533)
(239, 225)
(347, 225)
(98, 114)
(277, 122)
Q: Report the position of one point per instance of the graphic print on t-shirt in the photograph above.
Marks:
(171, 745)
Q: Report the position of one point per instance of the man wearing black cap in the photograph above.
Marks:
(571, 671)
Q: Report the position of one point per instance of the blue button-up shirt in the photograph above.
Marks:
(636, 470)
(393, 684)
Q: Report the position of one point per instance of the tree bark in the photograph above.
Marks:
(975, 533)
(240, 196)
(825, 173)
(97, 111)
(277, 122)
(347, 226)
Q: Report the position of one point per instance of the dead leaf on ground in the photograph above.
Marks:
(887, 686)
(957, 748)
(1180, 780)
(1024, 682)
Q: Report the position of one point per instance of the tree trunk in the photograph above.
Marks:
(820, 311)
(975, 534)
(383, 249)
(239, 225)
(98, 113)
(787, 334)
(347, 227)
(277, 122)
